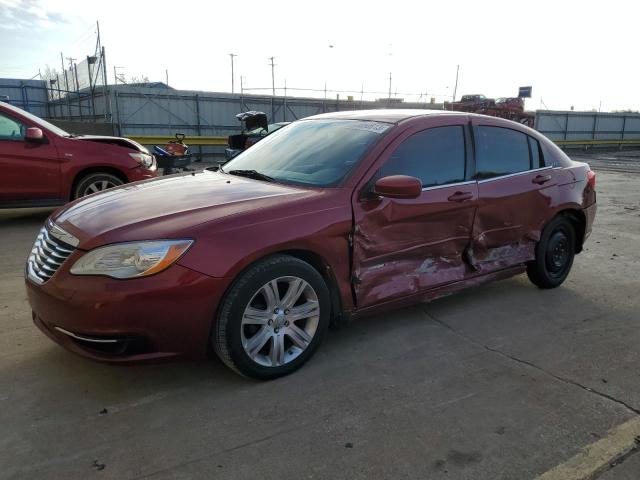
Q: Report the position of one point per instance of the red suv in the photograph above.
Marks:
(42, 165)
(336, 216)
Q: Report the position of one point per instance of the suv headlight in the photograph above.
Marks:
(131, 259)
(144, 159)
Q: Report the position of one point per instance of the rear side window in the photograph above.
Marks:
(536, 154)
(11, 129)
(500, 151)
(435, 156)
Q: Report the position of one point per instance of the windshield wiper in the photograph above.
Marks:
(252, 174)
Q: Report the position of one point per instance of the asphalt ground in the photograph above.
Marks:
(502, 381)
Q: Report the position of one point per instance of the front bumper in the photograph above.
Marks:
(165, 315)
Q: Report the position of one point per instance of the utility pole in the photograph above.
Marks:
(455, 89)
(71, 60)
(273, 77)
(66, 84)
(232, 85)
(389, 101)
(241, 85)
(166, 76)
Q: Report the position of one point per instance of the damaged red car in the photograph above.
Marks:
(331, 217)
(42, 165)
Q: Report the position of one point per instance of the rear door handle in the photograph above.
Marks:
(460, 196)
(540, 179)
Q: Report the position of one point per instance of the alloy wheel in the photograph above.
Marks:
(280, 321)
(98, 186)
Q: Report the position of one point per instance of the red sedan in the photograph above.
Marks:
(331, 217)
(43, 165)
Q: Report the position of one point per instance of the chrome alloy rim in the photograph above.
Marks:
(280, 321)
(99, 186)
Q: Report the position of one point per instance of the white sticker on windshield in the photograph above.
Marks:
(375, 127)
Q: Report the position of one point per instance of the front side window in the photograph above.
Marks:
(435, 156)
(11, 129)
(311, 152)
(500, 151)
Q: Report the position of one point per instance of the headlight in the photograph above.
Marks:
(131, 260)
(144, 159)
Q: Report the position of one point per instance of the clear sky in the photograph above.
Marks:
(573, 53)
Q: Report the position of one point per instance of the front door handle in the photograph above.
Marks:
(460, 196)
(540, 179)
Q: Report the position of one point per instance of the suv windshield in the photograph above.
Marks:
(310, 152)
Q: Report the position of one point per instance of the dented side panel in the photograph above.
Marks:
(402, 247)
(512, 212)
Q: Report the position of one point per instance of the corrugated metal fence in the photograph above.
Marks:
(589, 127)
(30, 95)
(143, 111)
(139, 111)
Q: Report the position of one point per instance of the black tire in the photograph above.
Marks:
(84, 185)
(554, 254)
(227, 335)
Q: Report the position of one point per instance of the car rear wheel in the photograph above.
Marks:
(554, 254)
(273, 318)
(94, 183)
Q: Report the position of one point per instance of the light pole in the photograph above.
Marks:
(232, 77)
(326, 68)
(455, 89)
(273, 77)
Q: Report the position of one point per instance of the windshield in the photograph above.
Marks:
(310, 152)
(43, 123)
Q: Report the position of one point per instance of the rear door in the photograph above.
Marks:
(28, 171)
(403, 247)
(515, 193)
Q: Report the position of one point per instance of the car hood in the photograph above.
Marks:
(168, 207)
(120, 141)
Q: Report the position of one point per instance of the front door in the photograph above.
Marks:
(515, 192)
(28, 171)
(402, 247)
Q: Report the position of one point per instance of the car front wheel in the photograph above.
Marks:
(273, 318)
(94, 183)
(554, 254)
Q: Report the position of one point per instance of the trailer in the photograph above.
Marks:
(511, 108)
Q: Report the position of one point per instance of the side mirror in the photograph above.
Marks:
(398, 186)
(34, 135)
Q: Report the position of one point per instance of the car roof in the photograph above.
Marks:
(384, 115)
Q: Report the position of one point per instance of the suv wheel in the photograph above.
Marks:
(94, 183)
(273, 318)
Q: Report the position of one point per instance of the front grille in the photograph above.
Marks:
(47, 255)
